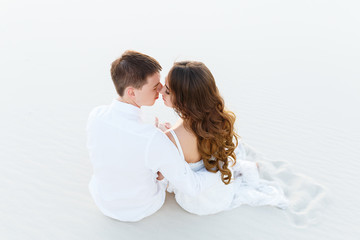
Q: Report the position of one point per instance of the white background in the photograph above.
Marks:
(288, 69)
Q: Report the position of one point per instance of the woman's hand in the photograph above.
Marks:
(160, 176)
(162, 126)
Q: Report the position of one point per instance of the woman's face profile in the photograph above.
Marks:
(166, 95)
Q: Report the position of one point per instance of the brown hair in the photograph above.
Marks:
(132, 69)
(197, 101)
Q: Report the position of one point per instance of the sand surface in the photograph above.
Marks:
(289, 70)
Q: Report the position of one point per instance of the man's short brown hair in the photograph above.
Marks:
(132, 69)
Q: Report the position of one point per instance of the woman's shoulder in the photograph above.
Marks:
(174, 128)
(188, 142)
(170, 136)
(180, 132)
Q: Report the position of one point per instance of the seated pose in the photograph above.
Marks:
(206, 140)
(127, 154)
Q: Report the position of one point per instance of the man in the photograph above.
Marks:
(127, 154)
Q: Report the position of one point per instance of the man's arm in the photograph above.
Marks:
(163, 156)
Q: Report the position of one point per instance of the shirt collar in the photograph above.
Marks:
(126, 108)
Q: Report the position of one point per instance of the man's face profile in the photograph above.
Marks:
(147, 95)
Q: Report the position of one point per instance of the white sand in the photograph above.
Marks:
(290, 71)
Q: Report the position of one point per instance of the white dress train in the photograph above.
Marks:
(246, 187)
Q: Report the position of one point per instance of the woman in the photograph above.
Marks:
(206, 139)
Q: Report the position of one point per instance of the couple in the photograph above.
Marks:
(201, 159)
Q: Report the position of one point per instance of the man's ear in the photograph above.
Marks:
(130, 92)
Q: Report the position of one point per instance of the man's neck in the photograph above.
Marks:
(128, 101)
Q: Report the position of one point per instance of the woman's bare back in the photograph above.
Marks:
(187, 141)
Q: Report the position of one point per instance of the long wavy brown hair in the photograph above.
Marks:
(196, 99)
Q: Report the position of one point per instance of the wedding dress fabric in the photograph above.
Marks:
(246, 187)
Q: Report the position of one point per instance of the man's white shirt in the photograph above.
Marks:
(126, 154)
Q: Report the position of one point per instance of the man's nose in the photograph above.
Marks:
(159, 87)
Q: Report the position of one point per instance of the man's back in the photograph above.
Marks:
(123, 185)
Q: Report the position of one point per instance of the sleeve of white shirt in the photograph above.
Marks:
(163, 156)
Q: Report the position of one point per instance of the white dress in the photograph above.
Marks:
(246, 187)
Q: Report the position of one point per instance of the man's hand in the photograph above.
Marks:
(160, 176)
(162, 126)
